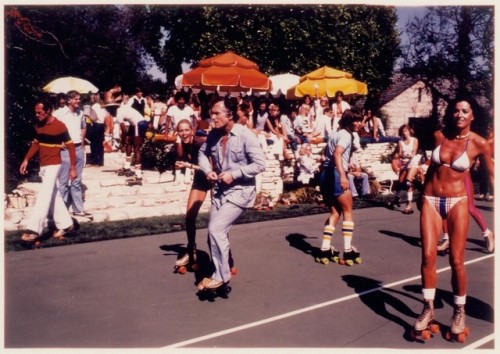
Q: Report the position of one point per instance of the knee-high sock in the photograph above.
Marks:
(327, 237)
(347, 230)
(138, 170)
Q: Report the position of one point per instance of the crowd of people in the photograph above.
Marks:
(225, 141)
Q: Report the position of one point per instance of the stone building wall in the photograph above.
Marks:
(407, 105)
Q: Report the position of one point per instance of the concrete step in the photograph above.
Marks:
(108, 197)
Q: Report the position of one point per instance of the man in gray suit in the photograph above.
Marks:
(231, 158)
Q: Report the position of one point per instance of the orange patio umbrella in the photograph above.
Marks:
(326, 81)
(226, 72)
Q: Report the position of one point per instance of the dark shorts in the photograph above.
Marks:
(330, 186)
(142, 128)
(200, 182)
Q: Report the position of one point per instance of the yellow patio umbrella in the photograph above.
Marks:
(68, 83)
(326, 81)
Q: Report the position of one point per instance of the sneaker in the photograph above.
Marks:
(84, 214)
(29, 236)
(489, 241)
(59, 234)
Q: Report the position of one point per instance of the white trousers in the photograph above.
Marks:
(49, 201)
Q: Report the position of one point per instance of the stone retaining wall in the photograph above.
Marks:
(107, 196)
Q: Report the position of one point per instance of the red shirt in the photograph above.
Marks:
(48, 142)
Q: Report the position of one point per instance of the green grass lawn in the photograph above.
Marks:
(110, 230)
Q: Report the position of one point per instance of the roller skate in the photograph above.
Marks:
(425, 327)
(458, 331)
(489, 241)
(234, 270)
(125, 172)
(108, 146)
(209, 289)
(350, 257)
(443, 247)
(133, 181)
(32, 238)
(186, 262)
(325, 256)
(394, 203)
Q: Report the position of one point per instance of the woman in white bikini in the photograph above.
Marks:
(445, 200)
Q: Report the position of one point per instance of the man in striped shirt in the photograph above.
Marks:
(51, 134)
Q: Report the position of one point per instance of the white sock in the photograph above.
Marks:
(429, 294)
(459, 300)
(327, 237)
(138, 171)
(127, 164)
(347, 230)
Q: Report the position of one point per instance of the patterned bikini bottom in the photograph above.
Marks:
(443, 205)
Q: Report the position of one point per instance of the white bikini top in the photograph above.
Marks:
(461, 163)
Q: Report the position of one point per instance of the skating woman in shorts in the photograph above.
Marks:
(188, 158)
(334, 185)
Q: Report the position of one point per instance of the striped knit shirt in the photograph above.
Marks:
(48, 142)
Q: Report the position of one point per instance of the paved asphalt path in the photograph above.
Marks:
(124, 294)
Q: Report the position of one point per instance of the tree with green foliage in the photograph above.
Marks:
(452, 48)
(108, 44)
(282, 38)
(43, 43)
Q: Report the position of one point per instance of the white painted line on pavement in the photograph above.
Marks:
(480, 342)
(309, 308)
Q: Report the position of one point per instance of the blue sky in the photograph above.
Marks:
(406, 13)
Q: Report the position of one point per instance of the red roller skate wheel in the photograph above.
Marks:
(434, 328)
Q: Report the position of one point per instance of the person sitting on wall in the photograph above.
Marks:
(373, 130)
(356, 174)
